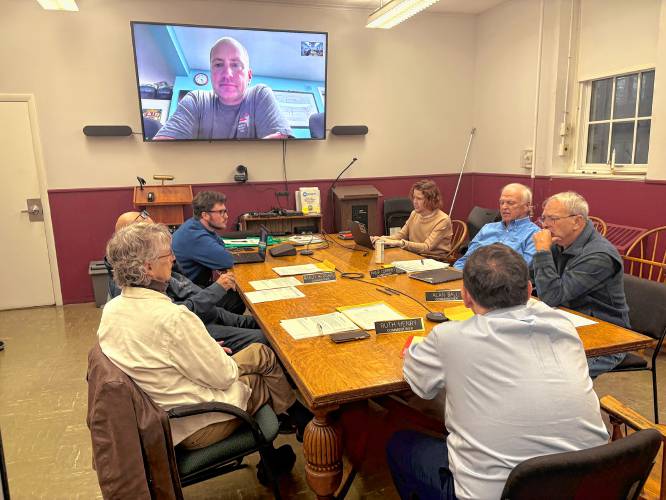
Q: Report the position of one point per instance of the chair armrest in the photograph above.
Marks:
(199, 408)
(628, 416)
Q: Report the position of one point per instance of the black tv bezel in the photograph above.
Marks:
(296, 139)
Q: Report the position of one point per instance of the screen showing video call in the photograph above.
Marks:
(206, 83)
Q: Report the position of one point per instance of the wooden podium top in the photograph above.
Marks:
(176, 194)
(355, 192)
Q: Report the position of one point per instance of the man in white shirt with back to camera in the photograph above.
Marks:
(517, 387)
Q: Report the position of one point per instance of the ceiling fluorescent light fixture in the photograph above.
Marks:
(59, 5)
(395, 12)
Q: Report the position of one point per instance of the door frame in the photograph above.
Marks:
(43, 191)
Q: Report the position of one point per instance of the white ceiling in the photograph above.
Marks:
(450, 6)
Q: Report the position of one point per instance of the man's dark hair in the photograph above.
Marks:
(205, 201)
(496, 277)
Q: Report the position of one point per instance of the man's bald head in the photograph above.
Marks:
(129, 218)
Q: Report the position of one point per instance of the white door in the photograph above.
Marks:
(24, 255)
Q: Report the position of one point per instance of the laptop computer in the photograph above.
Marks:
(361, 236)
(252, 257)
(436, 276)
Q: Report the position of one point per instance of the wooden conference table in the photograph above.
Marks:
(331, 375)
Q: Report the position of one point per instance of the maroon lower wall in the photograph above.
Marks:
(629, 203)
(83, 219)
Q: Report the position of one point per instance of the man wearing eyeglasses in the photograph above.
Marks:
(575, 267)
(200, 251)
(515, 230)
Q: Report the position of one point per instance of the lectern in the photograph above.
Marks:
(356, 203)
(164, 203)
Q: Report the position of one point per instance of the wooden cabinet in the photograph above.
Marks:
(283, 224)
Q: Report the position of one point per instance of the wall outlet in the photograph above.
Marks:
(526, 158)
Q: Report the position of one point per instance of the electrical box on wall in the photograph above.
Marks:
(526, 158)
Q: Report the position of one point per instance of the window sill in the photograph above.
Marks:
(600, 175)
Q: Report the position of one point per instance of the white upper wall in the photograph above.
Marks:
(617, 36)
(410, 85)
(504, 85)
(608, 37)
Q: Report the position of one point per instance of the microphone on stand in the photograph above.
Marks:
(142, 182)
(340, 174)
(307, 250)
(330, 190)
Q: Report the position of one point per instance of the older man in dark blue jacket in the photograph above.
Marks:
(575, 267)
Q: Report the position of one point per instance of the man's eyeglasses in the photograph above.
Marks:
(170, 254)
(142, 215)
(221, 212)
(508, 203)
(554, 218)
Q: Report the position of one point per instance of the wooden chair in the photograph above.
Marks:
(599, 225)
(459, 237)
(646, 256)
(624, 419)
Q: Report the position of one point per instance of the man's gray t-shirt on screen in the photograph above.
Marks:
(201, 115)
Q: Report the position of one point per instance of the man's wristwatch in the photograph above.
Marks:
(403, 243)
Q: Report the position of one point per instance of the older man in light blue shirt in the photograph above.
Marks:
(515, 230)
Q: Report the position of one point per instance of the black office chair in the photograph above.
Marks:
(616, 470)
(142, 438)
(316, 124)
(396, 213)
(150, 127)
(647, 315)
(478, 218)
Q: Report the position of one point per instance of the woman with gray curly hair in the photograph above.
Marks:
(167, 351)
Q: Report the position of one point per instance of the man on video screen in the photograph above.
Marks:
(233, 110)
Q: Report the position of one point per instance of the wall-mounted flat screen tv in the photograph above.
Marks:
(210, 83)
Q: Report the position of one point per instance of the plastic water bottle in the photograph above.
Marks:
(379, 251)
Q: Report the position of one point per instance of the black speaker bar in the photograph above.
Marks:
(349, 130)
(107, 130)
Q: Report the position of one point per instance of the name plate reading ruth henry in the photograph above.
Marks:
(399, 325)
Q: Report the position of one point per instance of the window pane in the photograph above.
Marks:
(597, 143)
(600, 100)
(647, 89)
(622, 141)
(642, 141)
(626, 88)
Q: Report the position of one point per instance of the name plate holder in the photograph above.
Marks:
(384, 271)
(318, 277)
(443, 296)
(399, 325)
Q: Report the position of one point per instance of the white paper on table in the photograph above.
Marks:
(294, 270)
(274, 283)
(305, 239)
(366, 315)
(416, 265)
(577, 320)
(314, 326)
(274, 294)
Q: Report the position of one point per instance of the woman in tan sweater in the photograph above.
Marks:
(428, 229)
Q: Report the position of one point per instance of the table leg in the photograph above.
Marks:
(322, 448)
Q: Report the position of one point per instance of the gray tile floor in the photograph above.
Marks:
(43, 398)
